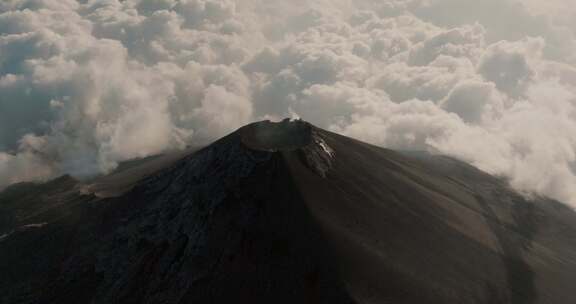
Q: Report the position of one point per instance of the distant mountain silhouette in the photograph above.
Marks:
(285, 213)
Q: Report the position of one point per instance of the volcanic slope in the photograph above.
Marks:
(287, 213)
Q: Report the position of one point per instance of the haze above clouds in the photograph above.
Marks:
(87, 84)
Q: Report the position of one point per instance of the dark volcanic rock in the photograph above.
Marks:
(288, 213)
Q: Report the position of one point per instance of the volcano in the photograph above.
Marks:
(285, 213)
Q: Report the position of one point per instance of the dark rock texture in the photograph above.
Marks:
(287, 213)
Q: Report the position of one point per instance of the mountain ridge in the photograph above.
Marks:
(314, 217)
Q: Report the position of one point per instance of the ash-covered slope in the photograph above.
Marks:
(287, 213)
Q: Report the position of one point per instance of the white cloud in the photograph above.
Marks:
(466, 42)
(432, 82)
(510, 64)
(87, 84)
(473, 101)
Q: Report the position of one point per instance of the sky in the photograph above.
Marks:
(87, 84)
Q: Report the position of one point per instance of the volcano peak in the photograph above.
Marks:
(286, 212)
(290, 135)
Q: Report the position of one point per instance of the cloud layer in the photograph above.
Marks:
(87, 84)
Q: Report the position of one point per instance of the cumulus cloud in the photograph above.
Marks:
(87, 84)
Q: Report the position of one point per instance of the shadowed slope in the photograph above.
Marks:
(223, 225)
